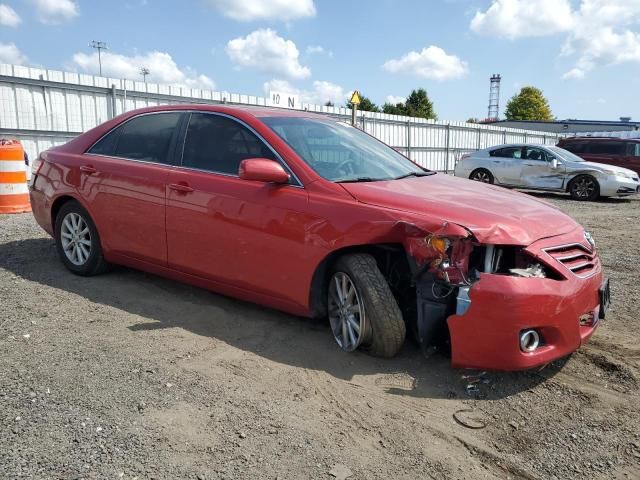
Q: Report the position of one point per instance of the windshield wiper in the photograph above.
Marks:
(360, 179)
(415, 174)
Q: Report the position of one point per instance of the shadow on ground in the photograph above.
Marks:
(282, 338)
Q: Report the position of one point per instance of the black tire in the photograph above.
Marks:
(385, 327)
(482, 175)
(584, 188)
(94, 263)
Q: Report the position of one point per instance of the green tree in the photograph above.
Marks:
(473, 120)
(366, 105)
(528, 104)
(397, 109)
(419, 105)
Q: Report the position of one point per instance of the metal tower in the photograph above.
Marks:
(494, 97)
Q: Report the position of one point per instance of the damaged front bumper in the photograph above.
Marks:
(564, 312)
(488, 316)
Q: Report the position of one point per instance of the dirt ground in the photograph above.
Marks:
(127, 375)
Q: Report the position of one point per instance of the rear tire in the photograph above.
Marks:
(382, 329)
(584, 188)
(78, 242)
(481, 175)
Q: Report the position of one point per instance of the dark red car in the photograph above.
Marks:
(620, 152)
(314, 217)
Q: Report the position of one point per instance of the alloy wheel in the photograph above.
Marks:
(76, 238)
(482, 177)
(346, 312)
(583, 187)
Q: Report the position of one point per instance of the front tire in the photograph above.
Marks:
(362, 309)
(584, 188)
(482, 175)
(77, 241)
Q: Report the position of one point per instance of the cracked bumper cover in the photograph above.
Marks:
(486, 336)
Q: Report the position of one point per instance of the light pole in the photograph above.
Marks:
(99, 46)
(144, 71)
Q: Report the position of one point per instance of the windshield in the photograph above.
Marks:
(340, 152)
(566, 154)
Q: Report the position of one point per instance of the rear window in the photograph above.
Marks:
(508, 152)
(574, 147)
(145, 138)
(607, 148)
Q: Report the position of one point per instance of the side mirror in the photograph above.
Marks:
(262, 170)
(554, 163)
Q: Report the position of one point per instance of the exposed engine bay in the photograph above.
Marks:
(441, 269)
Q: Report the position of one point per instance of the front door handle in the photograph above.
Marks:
(88, 169)
(181, 187)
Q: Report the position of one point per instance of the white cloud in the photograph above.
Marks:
(9, 53)
(524, 18)
(318, 50)
(55, 12)
(432, 63)
(162, 68)
(8, 16)
(267, 52)
(603, 35)
(249, 10)
(574, 74)
(321, 92)
(394, 99)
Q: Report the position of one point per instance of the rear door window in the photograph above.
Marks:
(537, 154)
(574, 147)
(146, 138)
(508, 152)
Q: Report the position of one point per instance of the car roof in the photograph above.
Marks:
(255, 111)
(517, 145)
(599, 139)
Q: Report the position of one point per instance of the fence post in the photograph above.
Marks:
(446, 148)
(479, 132)
(114, 101)
(504, 136)
(409, 139)
(526, 138)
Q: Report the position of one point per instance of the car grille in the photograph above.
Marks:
(576, 258)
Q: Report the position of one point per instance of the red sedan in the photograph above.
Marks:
(314, 217)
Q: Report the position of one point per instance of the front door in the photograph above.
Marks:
(538, 170)
(220, 227)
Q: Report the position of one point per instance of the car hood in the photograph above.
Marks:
(493, 214)
(600, 167)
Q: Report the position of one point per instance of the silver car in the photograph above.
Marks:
(544, 167)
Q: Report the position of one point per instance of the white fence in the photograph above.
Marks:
(43, 108)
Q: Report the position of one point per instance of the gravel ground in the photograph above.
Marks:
(127, 375)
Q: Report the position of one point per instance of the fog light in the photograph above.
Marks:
(529, 340)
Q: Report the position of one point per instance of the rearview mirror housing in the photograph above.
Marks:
(554, 162)
(262, 170)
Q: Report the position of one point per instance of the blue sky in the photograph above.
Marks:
(584, 54)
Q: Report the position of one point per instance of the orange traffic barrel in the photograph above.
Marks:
(14, 194)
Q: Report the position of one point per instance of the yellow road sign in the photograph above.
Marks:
(355, 98)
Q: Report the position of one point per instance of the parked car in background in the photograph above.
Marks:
(621, 152)
(548, 168)
(314, 217)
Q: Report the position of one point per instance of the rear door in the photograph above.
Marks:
(538, 171)
(610, 152)
(505, 164)
(244, 233)
(123, 181)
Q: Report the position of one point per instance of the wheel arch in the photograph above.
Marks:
(57, 205)
(588, 173)
(319, 280)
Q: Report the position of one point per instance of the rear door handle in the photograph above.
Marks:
(88, 169)
(181, 187)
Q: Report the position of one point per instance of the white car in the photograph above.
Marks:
(544, 167)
